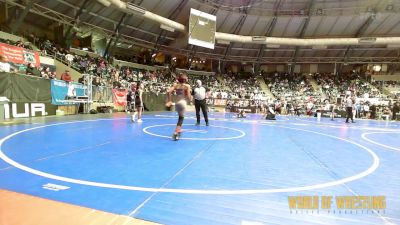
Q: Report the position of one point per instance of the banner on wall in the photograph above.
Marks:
(24, 89)
(18, 55)
(63, 92)
(119, 97)
(219, 102)
(249, 109)
(31, 109)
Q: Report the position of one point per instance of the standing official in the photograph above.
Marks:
(349, 109)
(200, 102)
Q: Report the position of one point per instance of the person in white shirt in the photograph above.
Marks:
(4, 66)
(69, 58)
(366, 110)
(349, 109)
(200, 102)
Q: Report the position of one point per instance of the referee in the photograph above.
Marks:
(200, 102)
(349, 109)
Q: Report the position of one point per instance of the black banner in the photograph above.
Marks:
(24, 89)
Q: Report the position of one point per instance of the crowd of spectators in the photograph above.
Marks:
(289, 87)
(333, 85)
(391, 87)
(41, 71)
(293, 93)
(248, 88)
(19, 43)
(30, 69)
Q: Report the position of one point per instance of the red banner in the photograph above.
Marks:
(119, 97)
(19, 55)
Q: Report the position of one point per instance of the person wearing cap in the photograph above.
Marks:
(199, 94)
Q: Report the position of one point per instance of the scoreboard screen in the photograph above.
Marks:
(202, 28)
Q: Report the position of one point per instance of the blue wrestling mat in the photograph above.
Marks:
(235, 171)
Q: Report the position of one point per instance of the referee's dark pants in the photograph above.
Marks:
(201, 104)
(349, 111)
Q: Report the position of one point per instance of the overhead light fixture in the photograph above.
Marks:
(366, 40)
(259, 38)
(167, 28)
(135, 8)
(377, 68)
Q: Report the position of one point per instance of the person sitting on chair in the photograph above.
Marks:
(270, 113)
(241, 114)
(386, 113)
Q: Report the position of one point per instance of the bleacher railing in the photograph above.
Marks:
(102, 94)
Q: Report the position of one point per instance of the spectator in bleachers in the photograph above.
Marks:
(69, 57)
(66, 76)
(45, 72)
(4, 66)
(96, 81)
(53, 75)
(396, 110)
(29, 69)
(19, 44)
(32, 70)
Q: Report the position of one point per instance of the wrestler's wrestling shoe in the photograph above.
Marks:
(176, 136)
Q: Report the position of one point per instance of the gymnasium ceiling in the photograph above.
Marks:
(276, 18)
